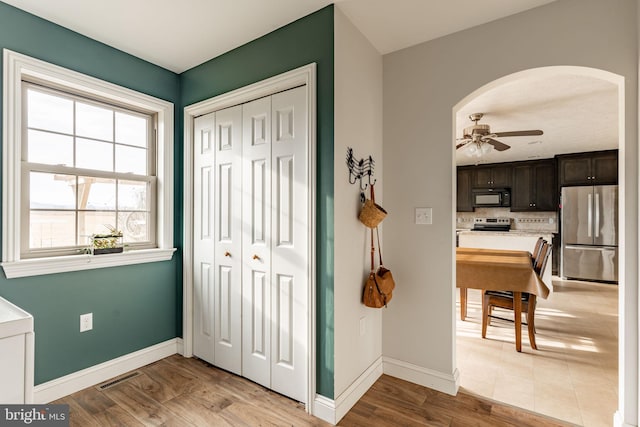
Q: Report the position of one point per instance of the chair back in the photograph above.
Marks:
(541, 261)
(536, 250)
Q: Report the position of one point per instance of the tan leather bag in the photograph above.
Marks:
(372, 296)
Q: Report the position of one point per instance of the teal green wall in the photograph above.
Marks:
(307, 40)
(138, 306)
(133, 307)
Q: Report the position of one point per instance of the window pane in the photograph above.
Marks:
(94, 122)
(50, 148)
(131, 130)
(94, 155)
(96, 193)
(51, 229)
(134, 226)
(49, 112)
(132, 195)
(90, 223)
(131, 160)
(52, 191)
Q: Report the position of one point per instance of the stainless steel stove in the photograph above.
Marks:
(491, 224)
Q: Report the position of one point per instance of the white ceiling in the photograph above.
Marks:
(179, 35)
(576, 113)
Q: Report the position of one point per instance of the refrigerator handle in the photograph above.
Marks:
(597, 218)
(589, 214)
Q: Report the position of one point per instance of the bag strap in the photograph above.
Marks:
(373, 199)
(379, 247)
(373, 250)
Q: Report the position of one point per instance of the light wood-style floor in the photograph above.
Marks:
(189, 392)
(573, 376)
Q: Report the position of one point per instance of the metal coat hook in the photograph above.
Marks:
(359, 169)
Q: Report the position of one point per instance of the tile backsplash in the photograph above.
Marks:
(523, 221)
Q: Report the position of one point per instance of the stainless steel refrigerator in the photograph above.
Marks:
(589, 218)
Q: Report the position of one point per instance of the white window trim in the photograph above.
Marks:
(16, 68)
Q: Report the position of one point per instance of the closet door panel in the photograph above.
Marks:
(256, 237)
(228, 239)
(203, 270)
(289, 245)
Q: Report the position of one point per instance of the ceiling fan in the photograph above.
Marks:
(479, 134)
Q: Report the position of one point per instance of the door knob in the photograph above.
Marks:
(256, 257)
(227, 253)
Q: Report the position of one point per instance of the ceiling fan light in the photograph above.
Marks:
(486, 148)
(471, 150)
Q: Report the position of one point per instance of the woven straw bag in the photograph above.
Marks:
(371, 214)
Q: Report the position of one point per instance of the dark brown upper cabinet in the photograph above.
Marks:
(534, 186)
(598, 167)
(464, 199)
(493, 176)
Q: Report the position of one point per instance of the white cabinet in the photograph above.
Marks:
(16, 354)
(514, 240)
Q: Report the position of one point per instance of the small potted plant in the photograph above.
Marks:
(107, 243)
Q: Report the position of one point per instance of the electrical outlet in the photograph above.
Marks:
(363, 326)
(86, 322)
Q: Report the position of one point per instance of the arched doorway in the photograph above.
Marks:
(503, 109)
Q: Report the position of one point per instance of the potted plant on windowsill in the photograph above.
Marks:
(107, 243)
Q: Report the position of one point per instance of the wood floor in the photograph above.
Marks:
(188, 392)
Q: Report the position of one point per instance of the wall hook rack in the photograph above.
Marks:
(359, 169)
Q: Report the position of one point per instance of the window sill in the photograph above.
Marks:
(61, 264)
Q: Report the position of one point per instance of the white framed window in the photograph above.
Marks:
(81, 156)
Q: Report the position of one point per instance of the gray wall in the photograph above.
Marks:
(421, 86)
(358, 124)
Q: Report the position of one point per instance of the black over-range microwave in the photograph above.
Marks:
(491, 197)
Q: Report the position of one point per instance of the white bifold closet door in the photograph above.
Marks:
(258, 318)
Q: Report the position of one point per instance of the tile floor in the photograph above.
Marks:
(573, 376)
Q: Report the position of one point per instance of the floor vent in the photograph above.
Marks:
(117, 380)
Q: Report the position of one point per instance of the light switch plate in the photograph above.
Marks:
(424, 216)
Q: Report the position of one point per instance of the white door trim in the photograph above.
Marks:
(305, 75)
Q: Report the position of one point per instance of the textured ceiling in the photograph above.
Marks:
(576, 113)
(179, 35)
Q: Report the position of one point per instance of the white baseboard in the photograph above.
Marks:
(618, 421)
(64, 386)
(180, 348)
(357, 389)
(425, 377)
(325, 409)
(332, 411)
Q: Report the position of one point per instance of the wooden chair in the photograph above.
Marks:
(504, 299)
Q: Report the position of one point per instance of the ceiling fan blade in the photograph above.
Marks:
(519, 133)
(499, 146)
(462, 144)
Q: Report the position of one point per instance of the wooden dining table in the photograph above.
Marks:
(498, 270)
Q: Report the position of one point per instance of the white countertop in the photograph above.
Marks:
(13, 320)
